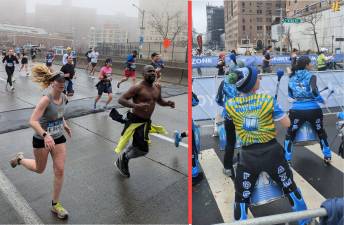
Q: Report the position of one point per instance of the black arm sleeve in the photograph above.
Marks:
(194, 96)
(219, 96)
(63, 69)
(4, 59)
(313, 84)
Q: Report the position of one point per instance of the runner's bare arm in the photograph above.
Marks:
(67, 128)
(125, 99)
(37, 114)
(163, 102)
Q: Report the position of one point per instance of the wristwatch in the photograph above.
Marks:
(44, 134)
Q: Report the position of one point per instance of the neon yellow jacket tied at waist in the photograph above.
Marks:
(129, 133)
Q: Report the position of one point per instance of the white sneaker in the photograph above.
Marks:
(12, 88)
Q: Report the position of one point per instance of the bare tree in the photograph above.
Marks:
(312, 19)
(167, 25)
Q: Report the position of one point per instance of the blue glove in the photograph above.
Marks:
(340, 115)
(280, 73)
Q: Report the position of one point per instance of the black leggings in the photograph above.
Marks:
(194, 151)
(256, 158)
(9, 71)
(313, 116)
(231, 139)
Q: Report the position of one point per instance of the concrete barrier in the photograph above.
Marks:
(170, 74)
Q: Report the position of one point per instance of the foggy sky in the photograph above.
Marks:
(104, 7)
(199, 12)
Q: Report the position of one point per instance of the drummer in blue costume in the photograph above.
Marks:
(303, 89)
(197, 174)
(226, 91)
(253, 116)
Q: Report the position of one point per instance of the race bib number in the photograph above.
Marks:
(55, 127)
(49, 60)
(133, 66)
(9, 64)
(94, 60)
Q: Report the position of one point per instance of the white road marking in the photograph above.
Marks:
(222, 187)
(311, 196)
(169, 139)
(336, 160)
(18, 202)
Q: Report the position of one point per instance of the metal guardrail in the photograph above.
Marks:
(285, 218)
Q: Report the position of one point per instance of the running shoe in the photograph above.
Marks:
(118, 84)
(196, 180)
(15, 160)
(327, 160)
(229, 172)
(122, 165)
(177, 138)
(12, 88)
(27, 74)
(60, 211)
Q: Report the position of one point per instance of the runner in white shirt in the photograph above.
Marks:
(94, 60)
(65, 56)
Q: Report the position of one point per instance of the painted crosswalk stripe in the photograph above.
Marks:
(336, 160)
(312, 197)
(222, 187)
(169, 139)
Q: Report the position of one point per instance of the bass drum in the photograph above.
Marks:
(265, 190)
(306, 135)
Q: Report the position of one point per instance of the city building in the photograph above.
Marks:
(107, 34)
(66, 19)
(299, 7)
(248, 23)
(328, 28)
(215, 26)
(15, 36)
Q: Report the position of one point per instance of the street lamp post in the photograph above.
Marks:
(281, 31)
(332, 43)
(142, 28)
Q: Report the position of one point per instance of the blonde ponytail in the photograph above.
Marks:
(42, 75)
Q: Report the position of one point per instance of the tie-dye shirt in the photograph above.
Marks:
(253, 116)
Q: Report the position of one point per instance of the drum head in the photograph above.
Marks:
(306, 135)
(265, 191)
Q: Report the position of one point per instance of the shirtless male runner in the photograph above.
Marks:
(142, 98)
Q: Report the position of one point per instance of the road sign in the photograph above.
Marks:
(339, 39)
(292, 20)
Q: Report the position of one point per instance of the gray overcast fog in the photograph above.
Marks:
(105, 7)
